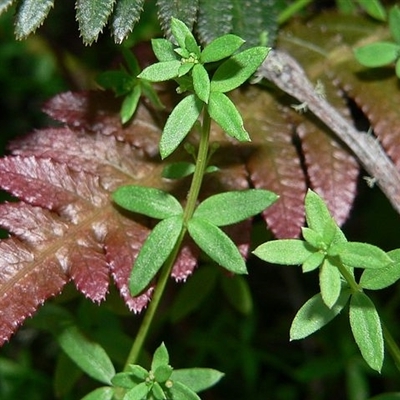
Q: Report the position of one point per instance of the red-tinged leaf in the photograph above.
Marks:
(273, 163)
(97, 111)
(331, 169)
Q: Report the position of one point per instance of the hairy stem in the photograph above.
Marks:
(201, 163)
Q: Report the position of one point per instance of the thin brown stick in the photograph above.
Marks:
(287, 74)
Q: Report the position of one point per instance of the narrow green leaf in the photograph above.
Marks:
(151, 94)
(377, 54)
(397, 68)
(217, 245)
(125, 16)
(158, 392)
(360, 255)
(138, 372)
(129, 104)
(184, 36)
(237, 69)
(330, 283)
(375, 279)
(285, 251)
(92, 17)
(235, 206)
(367, 331)
(185, 68)
(30, 15)
(163, 50)
(154, 252)
(161, 71)
(214, 19)
(374, 8)
(313, 261)
(127, 380)
(66, 375)
(201, 82)
(118, 80)
(394, 23)
(317, 213)
(160, 357)
(179, 391)
(102, 393)
(154, 203)
(88, 355)
(197, 379)
(225, 114)
(179, 123)
(238, 293)
(201, 283)
(139, 392)
(220, 48)
(315, 314)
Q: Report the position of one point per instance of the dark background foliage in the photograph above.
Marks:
(251, 347)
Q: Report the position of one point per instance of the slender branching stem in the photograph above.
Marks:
(391, 346)
(201, 163)
(349, 278)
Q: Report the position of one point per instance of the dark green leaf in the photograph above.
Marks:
(139, 392)
(360, 255)
(329, 282)
(217, 245)
(214, 19)
(375, 279)
(377, 54)
(88, 355)
(92, 17)
(154, 252)
(160, 357)
(201, 283)
(184, 10)
(237, 69)
(178, 170)
(367, 331)
(225, 114)
(179, 391)
(163, 50)
(315, 314)
(30, 15)
(197, 379)
(129, 104)
(238, 293)
(201, 82)
(131, 61)
(66, 375)
(253, 19)
(179, 123)
(161, 71)
(119, 81)
(394, 23)
(235, 206)
(102, 393)
(151, 94)
(221, 48)
(154, 203)
(126, 14)
(285, 251)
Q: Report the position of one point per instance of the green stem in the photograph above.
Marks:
(201, 163)
(349, 278)
(291, 10)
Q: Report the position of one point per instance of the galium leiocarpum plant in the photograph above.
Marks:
(191, 67)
